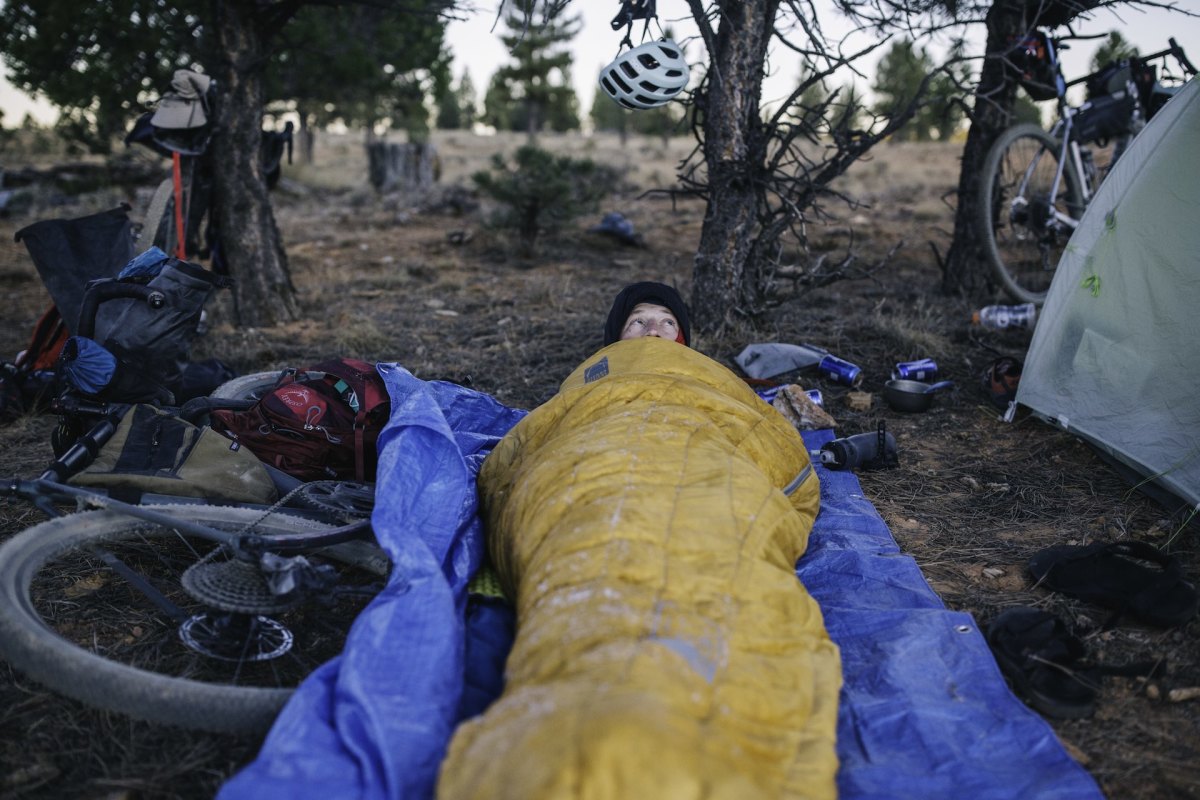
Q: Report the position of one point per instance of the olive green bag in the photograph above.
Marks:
(152, 452)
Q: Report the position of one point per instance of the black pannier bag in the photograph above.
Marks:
(155, 341)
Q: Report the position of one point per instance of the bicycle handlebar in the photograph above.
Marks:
(1173, 50)
(1177, 51)
(99, 291)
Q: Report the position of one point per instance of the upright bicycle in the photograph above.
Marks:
(1036, 183)
(179, 219)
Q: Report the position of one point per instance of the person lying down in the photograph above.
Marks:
(646, 521)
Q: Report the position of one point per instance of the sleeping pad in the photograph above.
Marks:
(647, 521)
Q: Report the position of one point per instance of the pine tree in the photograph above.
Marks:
(901, 71)
(538, 81)
(1115, 48)
(498, 104)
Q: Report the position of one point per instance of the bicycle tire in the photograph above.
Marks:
(160, 219)
(79, 650)
(246, 387)
(1013, 210)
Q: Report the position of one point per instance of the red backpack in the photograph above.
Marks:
(319, 423)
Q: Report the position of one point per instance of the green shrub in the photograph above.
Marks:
(542, 192)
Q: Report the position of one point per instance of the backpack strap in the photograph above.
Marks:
(373, 395)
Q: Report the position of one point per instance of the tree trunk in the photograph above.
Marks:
(965, 270)
(263, 293)
(307, 139)
(412, 165)
(725, 283)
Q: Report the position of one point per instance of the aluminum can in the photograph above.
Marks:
(923, 369)
(841, 371)
(768, 394)
(815, 396)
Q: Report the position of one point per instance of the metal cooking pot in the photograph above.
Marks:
(912, 396)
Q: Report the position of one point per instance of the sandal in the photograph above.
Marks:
(1129, 577)
(1037, 653)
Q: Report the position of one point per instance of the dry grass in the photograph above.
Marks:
(381, 278)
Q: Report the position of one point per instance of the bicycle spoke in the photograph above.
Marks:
(1031, 206)
(103, 622)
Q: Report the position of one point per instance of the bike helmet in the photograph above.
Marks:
(647, 76)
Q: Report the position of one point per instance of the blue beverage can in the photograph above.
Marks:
(841, 371)
(923, 369)
(815, 396)
(768, 394)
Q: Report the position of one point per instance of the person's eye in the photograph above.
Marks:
(670, 323)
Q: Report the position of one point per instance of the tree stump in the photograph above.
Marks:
(391, 166)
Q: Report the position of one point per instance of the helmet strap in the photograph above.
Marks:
(631, 10)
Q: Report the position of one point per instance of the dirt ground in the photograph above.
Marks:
(423, 281)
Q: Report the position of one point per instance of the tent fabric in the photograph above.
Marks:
(647, 521)
(1114, 357)
(923, 712)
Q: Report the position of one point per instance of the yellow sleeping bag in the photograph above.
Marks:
(647, 520)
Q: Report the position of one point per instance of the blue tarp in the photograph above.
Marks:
(924, 711)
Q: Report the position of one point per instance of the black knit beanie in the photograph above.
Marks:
(646, 292)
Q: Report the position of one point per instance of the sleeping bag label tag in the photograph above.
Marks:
(596, 371)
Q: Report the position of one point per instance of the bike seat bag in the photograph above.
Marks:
(1030, 59)
(318, 423)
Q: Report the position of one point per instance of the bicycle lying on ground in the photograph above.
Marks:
(1036, 183)
(177, 610)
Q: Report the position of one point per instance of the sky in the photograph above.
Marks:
(478, 49)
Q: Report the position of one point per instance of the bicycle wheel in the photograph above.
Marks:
(73, 623)
(1022, 220)
(160, 220)
(347, 500)
(247, 387)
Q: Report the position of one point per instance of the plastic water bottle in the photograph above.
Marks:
(1002, 317)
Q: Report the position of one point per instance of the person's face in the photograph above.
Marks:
(648, 319)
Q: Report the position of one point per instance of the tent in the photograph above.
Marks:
(1116, 351)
